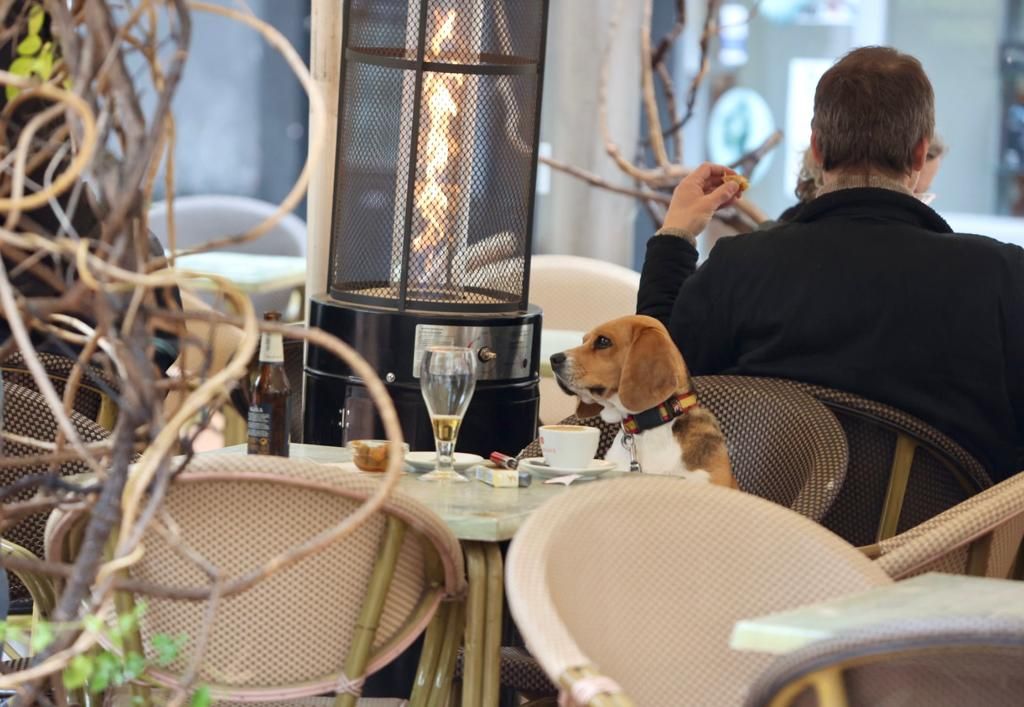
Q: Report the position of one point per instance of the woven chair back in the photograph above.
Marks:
(25, 413)
(980, 536)
(643, 578)
(949, 663)
(287, 636)
(783, 444)
(93, 385)
(942, 473)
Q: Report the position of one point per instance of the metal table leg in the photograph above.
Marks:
(472, 656)
(482, 654)
(494, 603)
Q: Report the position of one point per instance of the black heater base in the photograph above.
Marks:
(502, 415)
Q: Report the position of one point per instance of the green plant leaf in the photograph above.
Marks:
(13, 634)
(201, 697)
(42, 636)
(126, 623)
(134, 665)
(167, 647)
(30, 45)
(22, 66)
(78, 671)
(106, 669)
(44, 62)
(93, 623)
(36, 17)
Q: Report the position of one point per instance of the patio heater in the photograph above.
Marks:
(436, 162)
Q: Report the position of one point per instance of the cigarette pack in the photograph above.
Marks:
(501, 478)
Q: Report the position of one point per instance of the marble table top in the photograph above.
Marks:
(250, 272)
(929, 596)
(473, 510)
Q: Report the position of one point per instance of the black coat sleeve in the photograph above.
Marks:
(1013, 327)
(667, 264)
(689, 301)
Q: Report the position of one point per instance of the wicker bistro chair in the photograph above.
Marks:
(96, 394)
(626, 591)
(902, 470)
(784, 445)
(346, 610)
(981, 536)
(951, 662)
(26, 413)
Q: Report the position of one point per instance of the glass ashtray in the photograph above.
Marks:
(371, 454)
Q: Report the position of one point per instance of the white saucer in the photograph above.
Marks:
(537, 467)
(427, 461)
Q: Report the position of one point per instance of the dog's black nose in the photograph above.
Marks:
(557, 359)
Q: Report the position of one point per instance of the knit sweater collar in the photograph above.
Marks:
(855, 181)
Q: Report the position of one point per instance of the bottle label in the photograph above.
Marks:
(271, 348)
(260, 422)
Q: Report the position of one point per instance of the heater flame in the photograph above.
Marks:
(441, 109)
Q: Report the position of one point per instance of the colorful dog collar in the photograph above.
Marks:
(669, 410)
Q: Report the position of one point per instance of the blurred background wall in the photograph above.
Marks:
(242, 116)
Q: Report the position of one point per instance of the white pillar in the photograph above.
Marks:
(325, 65)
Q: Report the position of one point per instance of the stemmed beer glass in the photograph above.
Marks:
(447, 380)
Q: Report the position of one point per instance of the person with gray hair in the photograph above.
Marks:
(808, 180)
(867, 289)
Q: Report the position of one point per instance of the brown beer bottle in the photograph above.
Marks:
(269, 409)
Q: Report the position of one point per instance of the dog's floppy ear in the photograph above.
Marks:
(585, 410)
(653, 370)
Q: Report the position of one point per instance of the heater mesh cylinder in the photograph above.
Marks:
(437, 153)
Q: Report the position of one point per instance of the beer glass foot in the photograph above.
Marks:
(439, 475)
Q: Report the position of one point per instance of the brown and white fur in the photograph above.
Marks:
(629, 365)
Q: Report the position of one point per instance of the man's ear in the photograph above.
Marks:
(919, 154)
(585, 410)
(816, 150)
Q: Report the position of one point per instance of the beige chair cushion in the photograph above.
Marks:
(645, 576)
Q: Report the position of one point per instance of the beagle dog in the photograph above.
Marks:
(629, 371)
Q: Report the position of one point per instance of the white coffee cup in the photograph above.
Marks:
(569, 446)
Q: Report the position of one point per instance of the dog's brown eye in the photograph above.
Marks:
(602, 342)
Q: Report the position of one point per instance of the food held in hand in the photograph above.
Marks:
(742, 181)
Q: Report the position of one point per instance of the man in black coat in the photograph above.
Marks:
(867, 289)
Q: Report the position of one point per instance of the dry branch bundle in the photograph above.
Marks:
(660, 162)
(80, 277)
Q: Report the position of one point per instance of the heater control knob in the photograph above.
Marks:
(486, 354)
